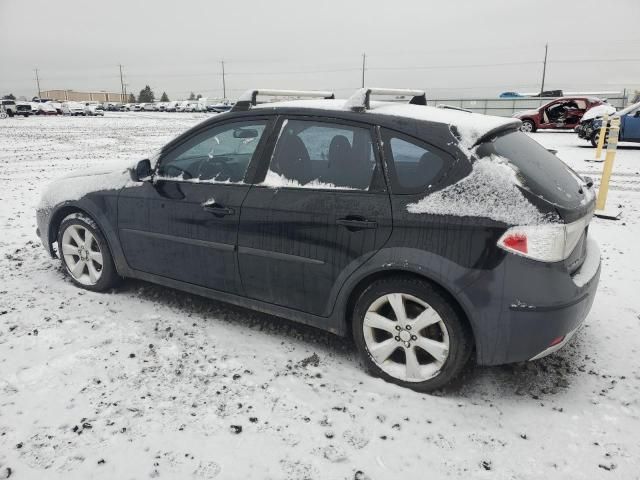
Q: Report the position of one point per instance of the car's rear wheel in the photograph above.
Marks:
(409, 333)
(528, 126)
(85, 253)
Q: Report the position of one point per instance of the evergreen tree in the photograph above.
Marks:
(192, 96)
(146, 95)
(11, 96)
(164, 97)
(132, 98)
(198, 97)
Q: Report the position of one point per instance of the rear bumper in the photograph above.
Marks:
(541, 308)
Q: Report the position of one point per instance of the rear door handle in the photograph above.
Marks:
(354, 224)
(217, 209)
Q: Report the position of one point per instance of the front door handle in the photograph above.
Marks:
(217, 209)
(357, 223)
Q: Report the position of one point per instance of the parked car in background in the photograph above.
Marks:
(171, 106)
(94, 109)
(284, 208)
(57, 106)
(11, 107)
(149, 107)
(220, 107)
(562, 113)
(72, 108)
(589, 128)
(182, 106)
(136, 107)
(44, 109)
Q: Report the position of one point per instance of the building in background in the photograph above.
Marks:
(72, 95)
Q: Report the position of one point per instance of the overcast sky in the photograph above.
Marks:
(451, 48)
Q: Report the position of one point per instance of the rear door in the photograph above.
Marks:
(318, 211)
(184, 224)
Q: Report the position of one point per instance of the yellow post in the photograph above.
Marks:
(603, 133)
(612, 145)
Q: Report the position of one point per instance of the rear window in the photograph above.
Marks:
(539, 171)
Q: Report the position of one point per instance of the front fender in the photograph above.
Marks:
(101, 207)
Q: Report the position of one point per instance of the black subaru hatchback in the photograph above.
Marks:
(429, 234)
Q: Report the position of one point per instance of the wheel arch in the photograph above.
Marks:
(70, 208)
(362, 283)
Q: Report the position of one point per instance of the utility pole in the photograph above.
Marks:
(544, 67)
(224, 85)
(122, 89)
(38, 83)
(364, 63)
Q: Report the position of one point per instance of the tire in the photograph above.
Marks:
(528, 126)
(375, 323)
(10, 113)
(596, 136)
(74, 249)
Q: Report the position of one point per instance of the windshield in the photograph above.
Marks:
(539, 171)
(629, 109)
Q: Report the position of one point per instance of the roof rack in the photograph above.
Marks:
(451, 107)
(360, 100)
(249, 98)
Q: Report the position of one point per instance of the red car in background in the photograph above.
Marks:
(561, 113)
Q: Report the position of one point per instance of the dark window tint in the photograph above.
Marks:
(541, 172)
(220, 154)
(414, 166)
(322, 155)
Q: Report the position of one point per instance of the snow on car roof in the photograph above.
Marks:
(470, 126)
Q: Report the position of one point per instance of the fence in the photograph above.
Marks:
(506, 107)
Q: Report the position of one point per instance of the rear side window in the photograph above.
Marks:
(313, 154)
(414, 166)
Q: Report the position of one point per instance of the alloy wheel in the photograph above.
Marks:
(82, 254)
(526, 127)
(406, 337)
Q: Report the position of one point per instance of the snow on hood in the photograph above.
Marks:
(490, 191)
(598, 111)
(524, 113)
(75, 186)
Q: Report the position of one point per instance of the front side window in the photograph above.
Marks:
(220, 154)
(311, 154)
(414, 166)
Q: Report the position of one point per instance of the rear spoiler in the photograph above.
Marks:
(249, 98)
(513, 124)
(361, 100)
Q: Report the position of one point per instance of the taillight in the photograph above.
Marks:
(547, 243)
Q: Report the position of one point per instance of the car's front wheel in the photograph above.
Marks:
(528, 126)
(85, 253)
(409, 333)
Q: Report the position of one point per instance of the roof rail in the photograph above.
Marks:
(360, 100)
(451, 107)
(249, 98)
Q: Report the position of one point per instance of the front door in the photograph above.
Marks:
(183, 225)
(320, 212)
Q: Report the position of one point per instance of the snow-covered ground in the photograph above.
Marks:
(150, 382)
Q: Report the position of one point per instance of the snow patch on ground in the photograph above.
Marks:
(490, 191)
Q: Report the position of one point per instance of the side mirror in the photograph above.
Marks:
(142, 172)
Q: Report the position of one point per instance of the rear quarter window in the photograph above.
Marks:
(414, 166)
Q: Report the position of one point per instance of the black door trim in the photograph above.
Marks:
(278, 255)
(188, 241)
